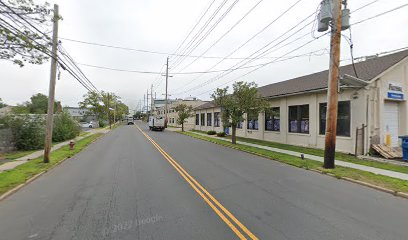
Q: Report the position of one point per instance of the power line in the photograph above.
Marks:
(253, 37)
(71, 60)
(145, 51)
(46, 51)
(259, 55)
(263, 65)
(201, 30)
(381, 14)
(228, 31)
(198, 22)
(209, 31)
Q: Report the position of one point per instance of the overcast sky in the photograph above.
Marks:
(161, 25)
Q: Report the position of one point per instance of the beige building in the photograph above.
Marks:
(372, 107)
(173, 115)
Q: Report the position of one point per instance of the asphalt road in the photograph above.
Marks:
(123, 187)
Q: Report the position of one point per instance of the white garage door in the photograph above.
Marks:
(391, 117)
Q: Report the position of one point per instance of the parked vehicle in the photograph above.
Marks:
(87, 125)
(156, 123)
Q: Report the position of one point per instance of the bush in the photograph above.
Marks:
(28, 131)
(221, 134)
(211, 132)
(65, 127)
(101, 123)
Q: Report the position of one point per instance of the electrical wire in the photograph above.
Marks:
(381, 14)
(251, 38)
(145, 51)
(268, 50)
(200, 31)
(228, 31)
(196, 24)
(268, 63)
(208, 31)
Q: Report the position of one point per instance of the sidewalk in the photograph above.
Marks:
(379, 171)
(39, 153)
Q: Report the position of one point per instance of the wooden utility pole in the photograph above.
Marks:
(151, 98)
(147, 102)
(51, 91)
(332, 91)
(167, 83)
(109, 119)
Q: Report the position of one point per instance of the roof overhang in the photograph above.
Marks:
(352, 81)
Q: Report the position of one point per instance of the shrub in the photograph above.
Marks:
(221, 134)
(101, 123)
(65, 127)
(28, 131)
(211, 132)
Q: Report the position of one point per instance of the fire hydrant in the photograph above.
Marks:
(71, 145)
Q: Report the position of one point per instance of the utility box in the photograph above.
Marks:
(404, 147)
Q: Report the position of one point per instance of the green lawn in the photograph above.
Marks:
(17, 154)
(319, 152)
(12, 178)
(379, 180)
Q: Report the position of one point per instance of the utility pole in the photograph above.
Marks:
(51, 91)
(151, 97)
(332, 90)
(167, 83)
(144, 102)
(147, 103)
(110, 123)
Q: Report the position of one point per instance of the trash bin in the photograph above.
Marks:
(404, 146)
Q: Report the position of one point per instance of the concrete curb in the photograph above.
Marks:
(28, 181)
(382, 189)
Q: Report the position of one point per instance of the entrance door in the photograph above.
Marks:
(391, 121)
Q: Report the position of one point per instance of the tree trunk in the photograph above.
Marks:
(182, 127)
(234, 134)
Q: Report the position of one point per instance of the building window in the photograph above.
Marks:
(272, 119)
(252, 120)
(209, 119)
(197, 119)
(240, 124)
(299, 119)
(343, 118)
(217, 119)
(202, 119)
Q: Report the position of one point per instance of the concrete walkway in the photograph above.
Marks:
(379, 171)
(39, 153)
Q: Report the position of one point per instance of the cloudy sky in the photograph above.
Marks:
(162, 25)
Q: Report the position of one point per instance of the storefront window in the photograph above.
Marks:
(209, 119)
(272, 119)
(252, 120)
(299, 119)
(202, 119)
(217, 119)
(343, 118)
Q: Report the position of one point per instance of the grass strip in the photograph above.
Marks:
(319, 152)
(394, 184)
(14, 177)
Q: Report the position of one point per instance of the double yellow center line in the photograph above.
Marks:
(238, 228)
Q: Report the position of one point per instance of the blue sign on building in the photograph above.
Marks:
(397, 96)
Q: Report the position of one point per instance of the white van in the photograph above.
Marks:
(156, 123)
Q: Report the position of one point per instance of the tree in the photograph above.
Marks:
(244, 99)
(183, 112)
(2, 104)
(38, 104)
(97, 104)
(20, 41)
